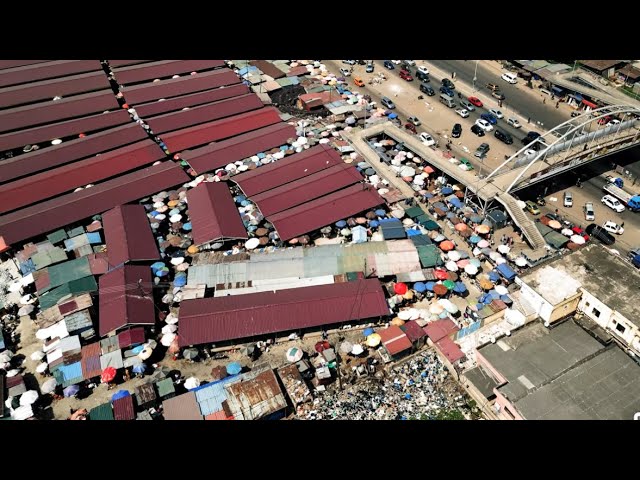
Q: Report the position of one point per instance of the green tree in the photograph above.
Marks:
(452, 414)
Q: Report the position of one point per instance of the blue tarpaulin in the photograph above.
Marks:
(506, 271)
(234, 368)
(393, 115)
(447, 191)
(494, 276)
(120, 394)
(455, 201)
(94, 238)
(27, 267)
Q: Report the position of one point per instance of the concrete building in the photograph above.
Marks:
(559, 373)
(605, 68)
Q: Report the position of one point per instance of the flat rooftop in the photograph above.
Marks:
(607, 277)
(564, 373)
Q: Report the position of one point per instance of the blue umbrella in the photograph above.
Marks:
(240, 198)
(474, 239)
(162, 272)
(252, 228)
(284, 147)
(153, 213)
(234, 368)
(187, 226)
(459, 288)
(180, 282)
(463, 254)
(506, 299)
(447, 191)
(139, 368)
(244, 203)
(428, 195)
(367, 331)
(475, 218)
(494, 276)
(71, 390)
(451, 215)
(413, 232)
(374, 223)
(419, 287)
(120, 394)
(341, 224)
(370, 171)
(137, 349)
(440, 205)
(363, 165)
(380, 212)
(486, 251)
(393, 115)
(430, 286)
(157, 265)
(475, 262)
(439, 238)
(173, 211)
(262, 155)
(487, 300)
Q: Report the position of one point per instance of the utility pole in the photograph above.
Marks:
(475, 77)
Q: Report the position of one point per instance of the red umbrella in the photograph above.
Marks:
(400, 288)
(108, 374)
(322, 346)
(440, 274)
(440, 289)
(447, 245)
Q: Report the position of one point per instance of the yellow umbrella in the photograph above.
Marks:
(397, 322)
(193, 249)
(173, 203)
(408, 295)
(373, 340)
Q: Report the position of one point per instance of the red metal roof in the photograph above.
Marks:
(42, 71)
(47, 89)
(413, 331)
(50, 183)
(242, 146)
(18, 63)
(182, 407)
(91, 360)
(128, 235)
(268, 68)
(147, 110)
(450, 349)
(207, 320)
(213, 213)
(394, 340)
(123, 408)
(307, 189)
(68, 152)
(98, 263)
(124, 300)
(179, 86)
(63, 129)
(439, 329)
(124, 63)
(219, 415)
(213, 131)
(287, 170)
(133, 336)
(164, 68)
(72, 207)
(205, 113)
(49, 112)
(325, 210)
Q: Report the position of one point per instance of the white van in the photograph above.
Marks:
(447, 100)
(510, 77)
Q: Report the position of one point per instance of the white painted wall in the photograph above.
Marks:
(542, 307)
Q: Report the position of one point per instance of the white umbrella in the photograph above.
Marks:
(346, 232)
(397, 213)
(345, 347)
(168, 298)
(451, 266)
(177, 260)
(6, 356)
(404, 314)
(476, 251)
(15, 286)
(453, 255)
(13, 373)
(42, 367)
(191, 383)
(577, 239)
(471, 269)
(145, 353)
(26, 310)
(158, 204)
(567, 232)
(407, 172)
(167, 338)
(408, 222)
(160, 217)
(27, 300)
(169, 329)
(294, 354)
(448, 305)
(38, 355)
(357, 349)
(436, 308)
(49, 386)
(171, 319)
(22, 413)
(501, 289)
(504, 249)
(521, 261)
(494, 256)
(29, 397)
(175, 218)
(252, 243)
(500, 261)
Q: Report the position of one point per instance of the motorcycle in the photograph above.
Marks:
(541, 201)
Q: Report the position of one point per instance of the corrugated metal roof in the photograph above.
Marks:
(294, 384)
(126, 298)
(205, 113)
(47, 89)
(268, 68)
(48, 112)
(76, 126)
(219, 415)
(294, 167)
(67, 272)
(66, 209)
(109, 344)
(429, 255)
(131, 361)
(165, 387)
(213, 131)
(165, 68)
(242, 146)
(45, 70)
(4, 64)
(71, 151)
(132, 336)
(91, 360)
(113, 359)
(49, 257)
(78, 321)
(69, 374)
(211, 396)
(325, 210)
(101, 412)
(450, 349)
(394, 340)
(51, 183)
(208, 320)
(256, 397)
(124, 63)
(57, 236)
(306, 189)
(439, 329)
(128, 235)
(413, 331)
(182, 407)
(144, 415)
(123, 408)
(150, 109)
(213, 213)
(82, 285)
(145, 393)
(179, 86)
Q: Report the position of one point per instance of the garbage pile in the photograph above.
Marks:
(422, 386)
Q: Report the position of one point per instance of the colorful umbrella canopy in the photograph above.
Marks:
(322, 346)
(448, 305)
(483, 244)
(357, 349)
(145, 353)
(449, 284)
(447, 245)
(419, 287)
(191, 383)
(556, 225)
(37, 355)
(29, 397)
(120, 394)
(460, 287)
(294, 354)
(440, 289)
(71, 390)
(430, 286)
(373, 340)
(567, 232)
(453, 255)
(345, 347)
(483, 229)
(42, 367)
(398, 322)
(367, 332)
(139, 368)
(578, 239)
(461, 227)
(501, 289)
(474, 239)
(167, 338)
(436, 308)
(49, 386)
(475, 262)
(440, 274)
(108, 374)
(218, 373)
(400, 288)
(521, 261)
(451, 266)
(471, 269)
(234, 368)
(190, 353)
(504, 249)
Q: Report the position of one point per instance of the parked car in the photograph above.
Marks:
(345, 72)
(498, 94)
(415, 120)
(475, 101)
(427, 89)
(370, 68)
(423, 69)
(510, 77)
(462, 112)
(411, 127)
(493, 87)
(489, 118)
(388, 64)
(496, 113)
(362, 62)
(589, 212)
(484, 125)
(349, 62)
(448, 83)
(387, 102)
(613, 227)
(405, 75)
(465, 164)
(482, 150)
(358, 82)
(411, 63)
(532, 208)
(514, 122)
(427, 139)
(456, 131)
(581, 232)
(477, 130)
(600, 234)
(503, 136)
(568, 199)
(397, 62)
(466, 104)
(613, 122)
(447, 91)
(613, 203)
(531, 136)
